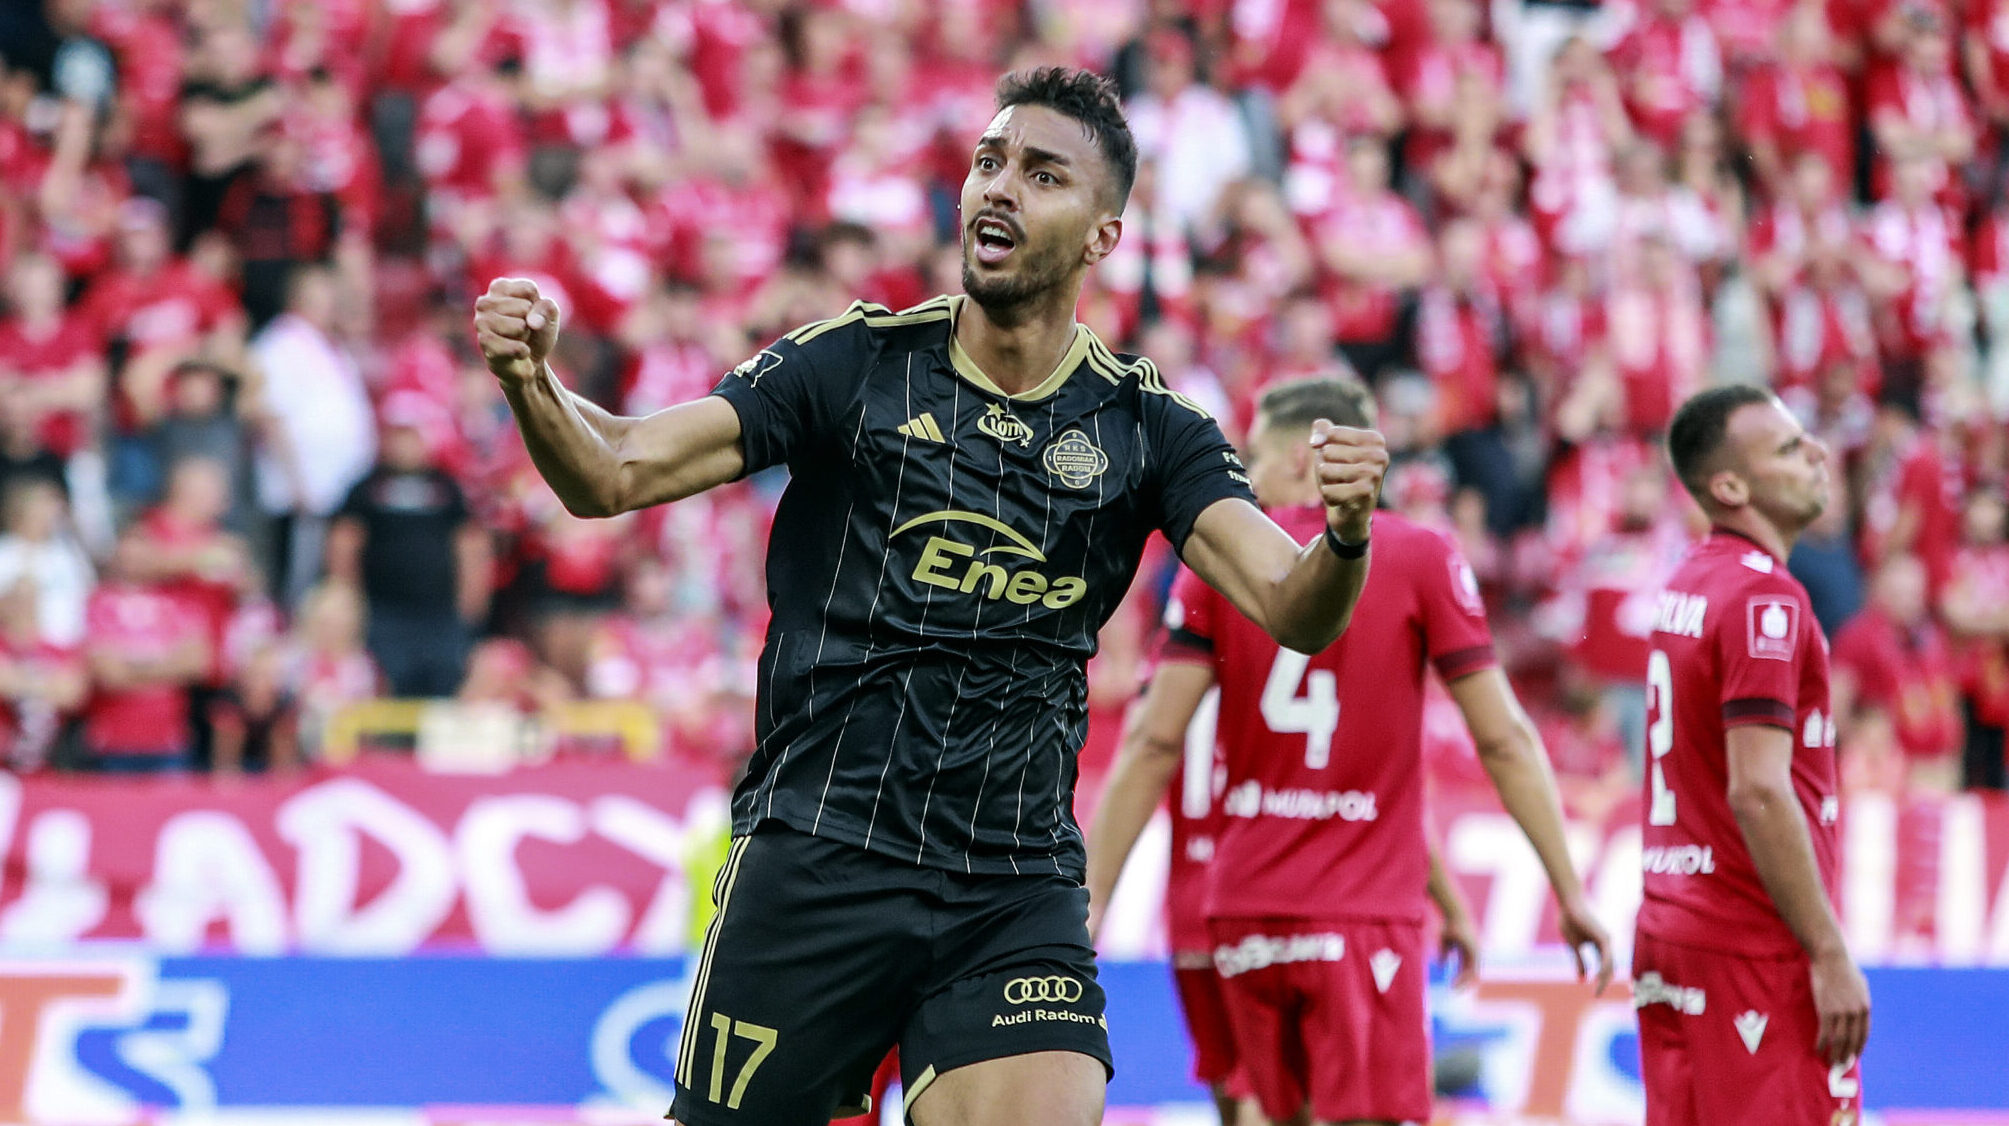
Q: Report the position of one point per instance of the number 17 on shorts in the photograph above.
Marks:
(736, 1050)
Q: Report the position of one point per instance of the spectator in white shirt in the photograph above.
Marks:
(321, 435)
(36, 543)
(1195, 134)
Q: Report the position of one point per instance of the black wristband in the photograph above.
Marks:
(1342, 548)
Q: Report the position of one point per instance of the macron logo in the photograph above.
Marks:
(1751, 1028)
(1384, 964)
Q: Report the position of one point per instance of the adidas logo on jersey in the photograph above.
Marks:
(923, 426)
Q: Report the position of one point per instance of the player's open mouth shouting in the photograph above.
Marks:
(995, 238)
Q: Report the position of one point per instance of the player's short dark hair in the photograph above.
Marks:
(1301, 402)
(1088, 98)
(1696, 434)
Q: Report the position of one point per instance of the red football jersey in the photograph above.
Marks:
(1322, 806)
(1910, 674)
(146, 622)
(1735, 642)
(1195, 808)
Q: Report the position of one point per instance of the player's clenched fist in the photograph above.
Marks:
(1351, 464)
(515, 327)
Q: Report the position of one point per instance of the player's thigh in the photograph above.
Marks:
(1666, 995)
(801, 986)
(1205, 1009)
(1010, 974)
(1265, 999)
(1754, 1049)
(1367, 1025)
(1062, 1088)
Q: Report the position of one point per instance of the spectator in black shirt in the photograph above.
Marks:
(406, 539)
(255, 723)
(225, 106)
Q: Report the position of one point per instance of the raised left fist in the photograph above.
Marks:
(1351, 464)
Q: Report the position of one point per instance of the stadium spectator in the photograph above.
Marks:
(405, 538)
(1797, 105)
(1975, 606)
(1673, 67)
(1190, 132)
(1826, 559)
(209, 414)
(254, 723)
(1453, 84)
(676, 659)
(470, 147)
(276, 222)
(1461, 331)
(37, 543)
(321, 438)
(52, 366)
(1917, 107)
(157, 310)
(1608, 597)
(41, 682)
(1596, 767)
(330, 667)
(145, 648)
(1658, 332)
(186, 553)
(1895, 685)
(1374, 244)
(227, 101)
(22, 454)
(1573, 135)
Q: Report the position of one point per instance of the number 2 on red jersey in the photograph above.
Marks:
(1660, 733)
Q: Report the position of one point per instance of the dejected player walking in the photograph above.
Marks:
(1315, 891)
(972, 482)
(1750, 1009)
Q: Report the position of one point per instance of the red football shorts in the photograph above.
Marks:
(1206, 1013)
(1729, 1041)
(1330, 1014)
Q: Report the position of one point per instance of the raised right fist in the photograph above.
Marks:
(515, 328)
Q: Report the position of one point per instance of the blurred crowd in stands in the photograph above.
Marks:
(251, 470)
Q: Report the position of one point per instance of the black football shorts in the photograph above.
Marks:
(823, 956)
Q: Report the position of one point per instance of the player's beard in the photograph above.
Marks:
(1035, 275)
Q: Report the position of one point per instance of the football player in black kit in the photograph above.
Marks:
(971, 484)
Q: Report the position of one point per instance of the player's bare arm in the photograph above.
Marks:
(1154, 739)
(1760, 760)
(1511, 751)
(1302, 595)
(1458, 939)
(599, 464)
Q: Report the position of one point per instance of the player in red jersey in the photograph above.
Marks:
(1184, 769)
(1750, 1008)
(1315, 895)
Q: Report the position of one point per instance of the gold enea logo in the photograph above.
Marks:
(1004, 426)
(941, 557)
(1029, 990)
(1075, 460)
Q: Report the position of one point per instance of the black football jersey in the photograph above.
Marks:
(941, 562)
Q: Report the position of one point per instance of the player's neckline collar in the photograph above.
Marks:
(963, 365)
(1720, 530)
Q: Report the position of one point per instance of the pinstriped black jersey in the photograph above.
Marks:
(940, 564)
